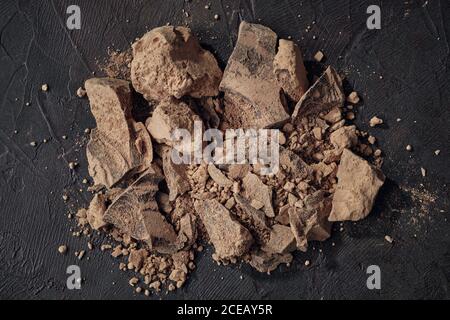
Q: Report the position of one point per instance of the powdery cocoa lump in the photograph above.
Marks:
(135, 212)
(290, 71)
(281, 240)
(253, 97)
(176, 177)
(96, 211)
(118, 144)
(258, 193)
(357, 188)
(310, 222)
(344, 137)
(169, 61)
(169, 115)
(324, 95)
(229, 237)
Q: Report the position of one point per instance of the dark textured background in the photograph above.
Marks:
(410, 53)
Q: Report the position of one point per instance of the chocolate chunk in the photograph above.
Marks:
(170, 115)
(256, 190)
(118, 144)
(135, 212)
(267, 262)
(169, 61)
(310, 223)
(229, 237)
(344, 137)
(257, 217)
(253, 97)
(324, 95)
(219, 177)
(96, 211)
(357, 188)
(293, 164)
(290, 71)
(176, 176)
(281, 240)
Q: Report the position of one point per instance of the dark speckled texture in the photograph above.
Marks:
(410, 52)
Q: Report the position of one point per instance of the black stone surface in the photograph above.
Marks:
(400, 71)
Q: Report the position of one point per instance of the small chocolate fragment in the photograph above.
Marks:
(229, 237)
(281, 241)
(267, 262)
(176, 175)
(324, 95)
(290, 71)
(256, 190)
(357, 188)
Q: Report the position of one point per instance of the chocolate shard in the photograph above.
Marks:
(188, 230)
(281, 240)
(253, 97)
(96, 211)
(293, 164)
(219, 177)
(310, 223)
(169, 61)
(344, 137)
(118, 145)
(170, 115)
(229, 237)
(290, 71)
(357, 188)
(256, 190)
(135, 212)
(324, 95)
(176, 175)
(257, 217)
(268, 262)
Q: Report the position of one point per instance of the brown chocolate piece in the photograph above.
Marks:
(267, 262)
(256, 190)
(324, 95)
(118, 144)
(169, 115)
(96, 211)
(137, 257)
(253, 97)
(357, 188)
(257, 217)
(229, 237)
(176, 176)
(310, 223)
(135, 212)
(169, 61)
(290, 71)
(281, 241)
(219, 177)
(344, 137)
(293, 164)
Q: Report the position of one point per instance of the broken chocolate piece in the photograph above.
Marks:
(135, 212)
(281, 241)
(294, 165)
(257, 217)
(229, 237)
(357, 188)
(256, 190)
(170, 115)
(169, 61)
(219, 177)
(310, 223)
(96, 211)
(267, 262)
(118, 144)
(344, 137)
(324, 95)
(176, 176)
(253, 98)
(290, 71)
